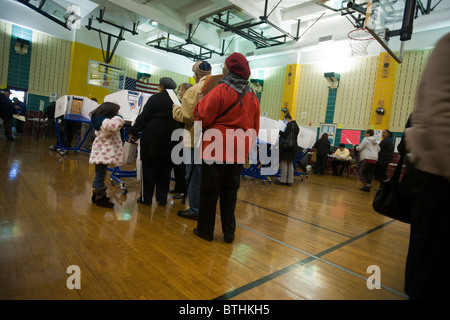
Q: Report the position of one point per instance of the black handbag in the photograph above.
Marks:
(390, 201)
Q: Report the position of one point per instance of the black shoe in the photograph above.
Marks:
(188, 214)
(365, 188)
(228, 238)
(279, 182)
(178, 196)
(197, 233)
(104, 203)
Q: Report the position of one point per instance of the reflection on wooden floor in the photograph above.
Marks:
(314, 240)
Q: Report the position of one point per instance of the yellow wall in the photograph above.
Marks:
(79, 68)
(291, 81)
(384, 91)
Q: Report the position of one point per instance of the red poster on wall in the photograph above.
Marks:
(350, 136)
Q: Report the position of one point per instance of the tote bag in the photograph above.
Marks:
(290, 142)
(389, 201)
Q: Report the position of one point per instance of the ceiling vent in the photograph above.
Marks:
(325, 39)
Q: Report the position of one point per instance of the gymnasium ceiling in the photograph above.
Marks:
(199, 27)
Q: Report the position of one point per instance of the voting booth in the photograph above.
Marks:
(75, 108)
(130, 102)
(264, 159)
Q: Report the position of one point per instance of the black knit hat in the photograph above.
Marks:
(167, 83)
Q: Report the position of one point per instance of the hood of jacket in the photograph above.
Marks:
(97, 122)
(372, 140)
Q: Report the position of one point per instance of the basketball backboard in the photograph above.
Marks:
(384, 19)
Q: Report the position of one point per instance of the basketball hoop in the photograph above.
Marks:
(359, 41)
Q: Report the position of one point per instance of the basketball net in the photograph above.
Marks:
(359, 41)
(360, 38)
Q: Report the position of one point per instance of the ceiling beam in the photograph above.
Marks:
(165, 16)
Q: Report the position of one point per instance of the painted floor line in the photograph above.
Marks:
(311, 257)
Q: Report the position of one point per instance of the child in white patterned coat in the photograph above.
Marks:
(106, 149)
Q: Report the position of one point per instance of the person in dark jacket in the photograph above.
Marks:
(6, 113)
(288, 155)
(322, 147)
(385, 155)
(156, 124)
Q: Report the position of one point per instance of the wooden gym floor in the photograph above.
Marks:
(314, 240)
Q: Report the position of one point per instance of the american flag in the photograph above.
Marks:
(130, 84)
(136, 85)
(151, 88)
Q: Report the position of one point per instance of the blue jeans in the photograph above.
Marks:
(193, 191)
(100, 174)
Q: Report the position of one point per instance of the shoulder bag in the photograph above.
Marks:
(390, 201)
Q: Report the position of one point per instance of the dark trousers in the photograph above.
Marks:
(380, 171)
(426, 274)
(218, 181)
(321, 164)
(335, 163)
(20, 126)
(7, 123)
(155, 173)
(179, 172)
(365, 171)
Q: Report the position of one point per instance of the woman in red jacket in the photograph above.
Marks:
(229, 135)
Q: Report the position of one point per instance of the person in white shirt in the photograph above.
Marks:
(368, 156)
(342, 158)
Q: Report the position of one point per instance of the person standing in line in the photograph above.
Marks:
(156, 124)
(185, 114)
(368, 155)
(428, 177)
(287, 156)
(322, 147)
(385, 156)
(106, 149)
(237, 130)
(179, 170)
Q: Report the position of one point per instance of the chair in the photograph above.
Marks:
(35, 121)
(352, 168)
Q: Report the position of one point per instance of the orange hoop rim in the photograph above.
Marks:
(362, 39)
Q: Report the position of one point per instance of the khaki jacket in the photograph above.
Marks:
(185, 112)
(427, 140)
